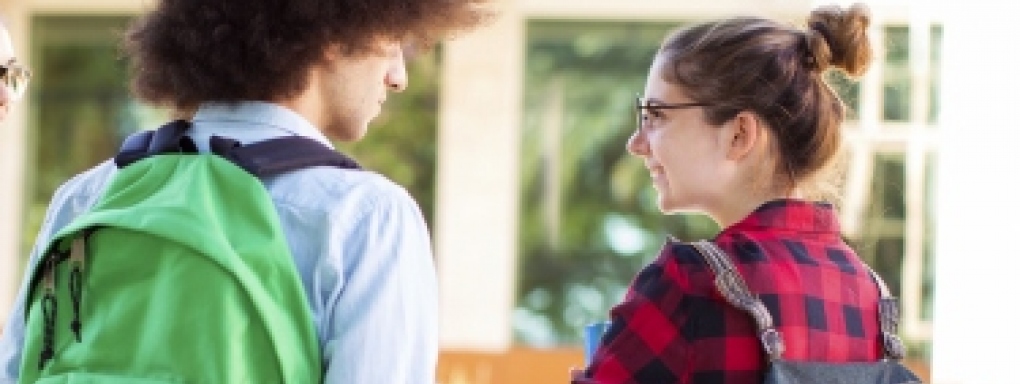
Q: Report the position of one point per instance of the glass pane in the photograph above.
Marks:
(896, 98)
(936, 75)
(888, 187)
(897, 44)
(896, 83)
(588, 215)
(928, 270)
(848, 90)
(881, 241)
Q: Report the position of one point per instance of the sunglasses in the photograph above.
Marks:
(643, 106)
(15, 78)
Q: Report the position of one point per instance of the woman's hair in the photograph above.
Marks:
(186, 52)
(776, 71)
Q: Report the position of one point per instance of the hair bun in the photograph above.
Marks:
(837, 37)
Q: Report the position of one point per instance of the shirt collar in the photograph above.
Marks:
(790, 215)
(252, 121)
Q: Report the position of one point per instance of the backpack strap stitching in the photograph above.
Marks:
(75, 282)
(734, 290)
(889, 318)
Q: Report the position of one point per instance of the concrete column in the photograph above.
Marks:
(13, 150)
(974, 334)
(478, 183)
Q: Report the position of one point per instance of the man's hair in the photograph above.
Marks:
(187, 52)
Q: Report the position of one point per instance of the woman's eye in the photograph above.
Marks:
(652, 115)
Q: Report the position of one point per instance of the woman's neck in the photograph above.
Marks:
(734, 209)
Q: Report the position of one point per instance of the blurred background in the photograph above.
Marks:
(512, 141)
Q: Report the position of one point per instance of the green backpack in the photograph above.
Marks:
(179, 274)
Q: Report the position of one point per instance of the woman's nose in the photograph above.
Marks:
(637, 144)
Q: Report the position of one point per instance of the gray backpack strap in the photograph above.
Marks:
(733, 288)
(889, 318)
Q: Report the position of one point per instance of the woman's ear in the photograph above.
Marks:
(743, 133)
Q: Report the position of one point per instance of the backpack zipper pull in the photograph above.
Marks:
(49, 307)
(75, 282)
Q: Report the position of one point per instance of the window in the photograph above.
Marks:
(895, 220)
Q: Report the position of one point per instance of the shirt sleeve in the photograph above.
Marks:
(13, 336)
(381, 322)
(644, 343)
(69, 201)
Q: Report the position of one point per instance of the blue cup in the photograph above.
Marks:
(592, 338)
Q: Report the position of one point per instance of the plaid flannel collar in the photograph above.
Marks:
(790, 215)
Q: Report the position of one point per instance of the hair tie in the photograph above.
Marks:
(830, 40)
(809, 60)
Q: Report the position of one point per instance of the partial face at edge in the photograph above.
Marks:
(6, 57)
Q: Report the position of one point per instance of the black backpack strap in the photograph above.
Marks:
(281, 155)
(262, 159)
(166, 139)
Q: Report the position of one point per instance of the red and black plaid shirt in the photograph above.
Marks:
(673, 327)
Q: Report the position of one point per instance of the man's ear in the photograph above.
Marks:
(332, 52)
(743, 133)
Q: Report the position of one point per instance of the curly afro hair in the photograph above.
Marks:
(187, 52)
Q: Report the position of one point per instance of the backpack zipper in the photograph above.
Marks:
(75, 283)
(49, 307)
(76, 256)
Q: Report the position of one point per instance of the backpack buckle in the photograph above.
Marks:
(773, 343)
(894, 348)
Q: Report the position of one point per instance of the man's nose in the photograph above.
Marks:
(396, 76)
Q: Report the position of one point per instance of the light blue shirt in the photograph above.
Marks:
(359, 242)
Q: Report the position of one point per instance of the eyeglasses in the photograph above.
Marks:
(642, 106)
(15, 77)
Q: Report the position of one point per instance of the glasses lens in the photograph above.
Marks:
(639, 113)
(641, 107)
(15, 79)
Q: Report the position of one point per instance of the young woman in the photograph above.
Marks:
(737, 122)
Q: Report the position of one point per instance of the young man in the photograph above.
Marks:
(256, 70)
(13, 77)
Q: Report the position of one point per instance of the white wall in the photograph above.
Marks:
(478, 184)
(978, 206)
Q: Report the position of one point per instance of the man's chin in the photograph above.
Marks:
(346, 133)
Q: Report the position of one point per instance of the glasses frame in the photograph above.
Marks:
(15, 77)
(641, 105)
